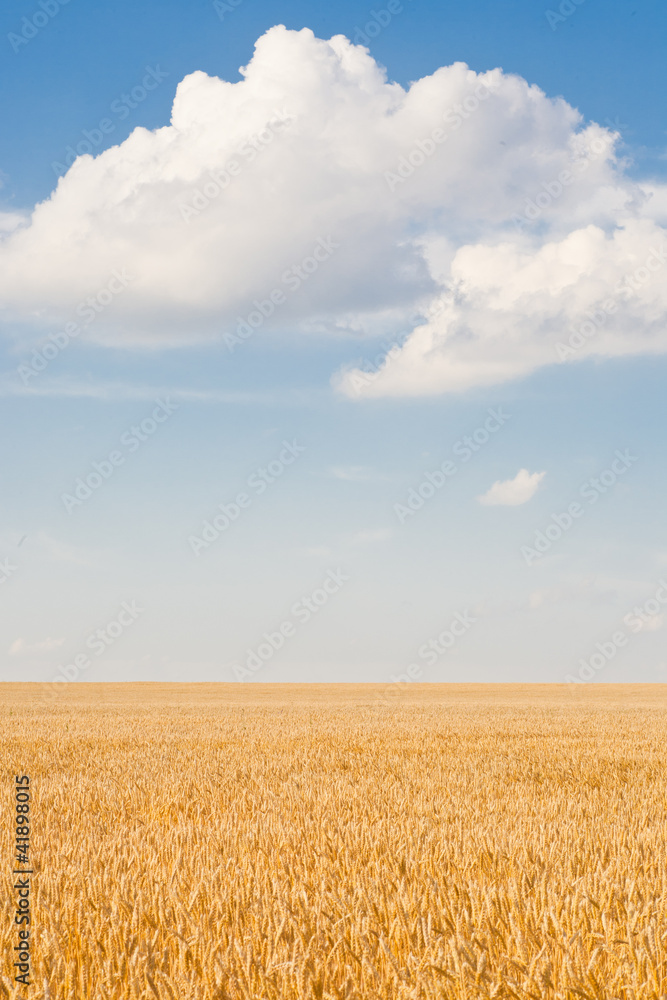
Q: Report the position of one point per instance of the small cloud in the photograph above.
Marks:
(595, 591)
(370, 535)
(20, 647)
(353, 473)
(653, 623)
(513, 492)
(63, 552)
(538, 598)
(321, 551)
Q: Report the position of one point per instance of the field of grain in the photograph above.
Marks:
(255, 841)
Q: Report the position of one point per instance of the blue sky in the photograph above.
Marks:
(445, 233)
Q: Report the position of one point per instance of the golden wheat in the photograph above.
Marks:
(249, 842)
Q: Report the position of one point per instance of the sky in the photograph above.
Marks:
(333, 342)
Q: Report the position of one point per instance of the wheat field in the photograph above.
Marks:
(293, 841)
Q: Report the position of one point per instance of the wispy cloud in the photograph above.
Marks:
(355, 473)
(370, 536)
(63, 552)
(22, 648)
(10, 385)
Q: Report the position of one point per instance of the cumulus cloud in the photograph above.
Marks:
(9, 221)
(513, 492)
(314, 195)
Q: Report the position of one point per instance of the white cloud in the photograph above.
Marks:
(484, 251)
(355, 474)
(508, 307)
(652, 624)
(513, 492)
(9, 221)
